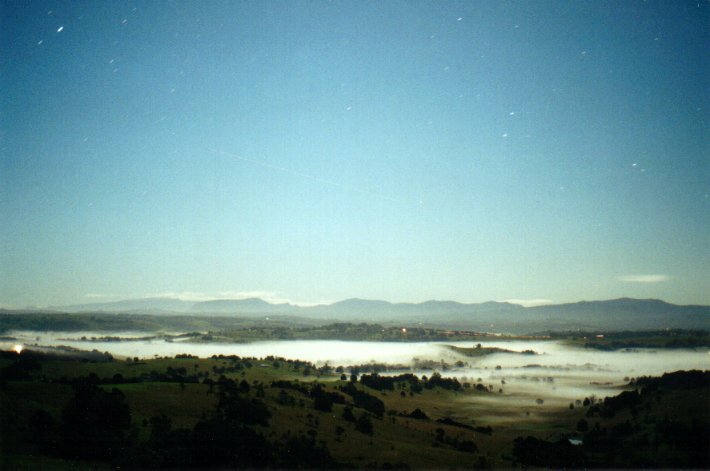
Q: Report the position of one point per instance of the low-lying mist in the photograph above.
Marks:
(559, 373)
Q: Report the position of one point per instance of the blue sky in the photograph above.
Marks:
(316, 151)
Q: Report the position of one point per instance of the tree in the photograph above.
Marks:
(166, 448)
(298, 451)
(223, 443)
(95, 423)
(348, 414)
(339, 431)
(160, 426)
(43, 430)
(245, 411)
(364, 424)
(322, 402)
(364, 400)
(418, 414)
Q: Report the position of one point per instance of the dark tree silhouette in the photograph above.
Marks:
(223, 443)
(364, 424)
(348, 414)
(95, 423)
(43, 431)
(303, 452)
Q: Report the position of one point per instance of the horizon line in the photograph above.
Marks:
(528, 303)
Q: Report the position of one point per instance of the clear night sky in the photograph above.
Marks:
(315, 151)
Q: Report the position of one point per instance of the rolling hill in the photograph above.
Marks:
(617, 314)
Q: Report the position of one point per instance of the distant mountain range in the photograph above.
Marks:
(617, 314)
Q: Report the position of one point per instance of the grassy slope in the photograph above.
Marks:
(680, 405)
(396, 439)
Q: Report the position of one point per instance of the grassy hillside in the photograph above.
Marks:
(191, 412)
(661, 423)
(415, 422)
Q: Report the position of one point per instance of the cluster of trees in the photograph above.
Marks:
(536, 452)
(21, 367)
(388, 383)
(61, 322)
(634, 429)
(95, 425)
(363, 400)
(363, 331)
(693, 379)
(610, 405)
(441, 439)
(667, 338)
(436, 380)
(323, 400)
(480, 429)
(345, 331)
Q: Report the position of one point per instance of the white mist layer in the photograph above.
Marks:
(558, 372)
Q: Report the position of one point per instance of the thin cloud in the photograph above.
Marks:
(644, 278)
(529, 302)
(182, 296)
(246, 295)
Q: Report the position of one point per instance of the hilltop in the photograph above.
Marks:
(616, 314)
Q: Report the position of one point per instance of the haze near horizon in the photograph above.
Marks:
(318, 151)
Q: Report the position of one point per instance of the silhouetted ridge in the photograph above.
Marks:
(492, 316)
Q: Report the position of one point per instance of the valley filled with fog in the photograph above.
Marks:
(558, 372)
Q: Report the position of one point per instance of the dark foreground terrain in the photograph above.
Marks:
(90, 411)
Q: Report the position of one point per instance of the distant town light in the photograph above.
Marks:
(404, 330)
